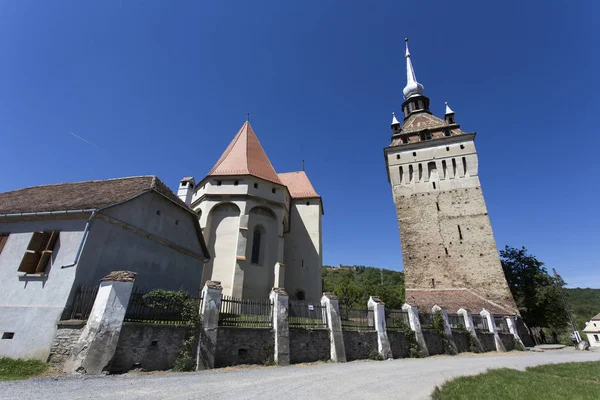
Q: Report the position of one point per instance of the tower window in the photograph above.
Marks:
(183, 184)
(459, 232)
(256, 238)
(420, 172)
(447, 133)
(255, 185)
(444, 167)
(414, 153)
(434, 185)
(433, 283)
(464, 164)
(308, 203)
(235, 183)
(397, 156)
(273, 190)
(462, 147)
(426, 136)
(219, 183)
(401, 174)
(405, 139)
(411, 173)
(454, 167)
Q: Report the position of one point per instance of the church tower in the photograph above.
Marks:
(448, 247)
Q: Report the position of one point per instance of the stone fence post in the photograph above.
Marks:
(512, 327)
(98, 341)
(470, 326)
(207, 337)
(383, 344)
(415, 325)
(447, 329)
(281, 327)
(492, 327)
(334, 323)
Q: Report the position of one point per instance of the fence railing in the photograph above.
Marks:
(480, 323)
(426, 320)
(307, 315)
(396, 319)
(357, 319)
(83, 302)
(456, 321)
(501, 324)
(166, 311)
(245, 312)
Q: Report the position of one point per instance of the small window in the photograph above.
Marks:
(447, 133)
(447, 148)
(183, 184)
(404, 139)
(595, 338)
(414, 153)
(8, 335)
(273, 190)
(308, 203)
(235, 183)
(3, 239)
(434, 185)
(397, 156)
(256, 245)
(255, 185)
(462, 147)
(300, 295)
(219, 183)
(38, 253)
(157, 212)
(426, 136)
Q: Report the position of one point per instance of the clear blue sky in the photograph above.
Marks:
(160, 87)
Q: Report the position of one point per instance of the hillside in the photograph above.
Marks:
(584, 303)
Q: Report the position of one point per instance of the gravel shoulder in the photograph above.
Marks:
(405, 378)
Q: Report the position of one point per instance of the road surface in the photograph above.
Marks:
(405, 379)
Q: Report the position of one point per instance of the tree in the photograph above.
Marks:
(536, 293)
(347, 291)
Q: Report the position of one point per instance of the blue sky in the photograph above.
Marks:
(161, 87)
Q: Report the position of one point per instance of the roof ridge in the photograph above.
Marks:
(227, 151)
(78, 182)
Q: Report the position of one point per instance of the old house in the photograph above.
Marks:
(592, 330)
(263, 228)
(55, 238)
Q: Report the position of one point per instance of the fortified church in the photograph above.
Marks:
(448, 247)
(263, 229)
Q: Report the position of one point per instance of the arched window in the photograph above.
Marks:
(300, 295)
(256, 238)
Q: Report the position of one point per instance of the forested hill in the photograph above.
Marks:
(584, 303)
(354, 284)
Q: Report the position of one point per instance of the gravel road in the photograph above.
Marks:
(399, 379)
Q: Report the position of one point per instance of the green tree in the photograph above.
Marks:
(347, 291)
(534, 290)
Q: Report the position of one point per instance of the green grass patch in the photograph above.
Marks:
(572, 381)
(20, 369)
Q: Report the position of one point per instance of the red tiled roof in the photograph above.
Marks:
(298, 184)
(245, 156)
(81, 195)
(452, 300)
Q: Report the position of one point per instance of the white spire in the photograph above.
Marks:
(412, 88)
(394, 120)
(448, 109)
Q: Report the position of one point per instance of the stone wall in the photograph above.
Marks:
(359, 345)
(434, 342)
(67, 333)
(309, 345)
(151, 347)
(508, 340)
(399, 344)
(487, 341)
(244, 346)
(461, 340)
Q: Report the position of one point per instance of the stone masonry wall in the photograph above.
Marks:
(487, 341)
(359, 345)
(152, 347)
(461, 339)
(399, 345)
(434, 342)
(67, 333)
(309, 345)
(508, 340)
(432, 246)
(237, 346)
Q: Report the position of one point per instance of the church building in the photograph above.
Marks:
(262, 228)
(448, 247)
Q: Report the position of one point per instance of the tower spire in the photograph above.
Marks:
(412, 88)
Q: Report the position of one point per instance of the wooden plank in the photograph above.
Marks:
(29, 262)
(43, 263)
(3, 240)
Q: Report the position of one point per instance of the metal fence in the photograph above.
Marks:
(83, 302)
(357, 319)
(501, 324)
(245, 312)
(480, 323)
(426, 320)
(170, 312)
(307, 315)
(396, 319)
(456, 321)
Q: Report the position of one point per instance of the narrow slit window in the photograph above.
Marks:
(454, 167)
(256, 238)
(401, 177)
(420, 172)
(459, 232)
(445, 168)
(437, 205)
(464, 164)
(411, 173)
(446, 250)
(434, 185)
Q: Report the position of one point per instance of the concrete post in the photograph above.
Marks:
(415, 325)
(207, 337)
(512, 327)
(492, 327)
(98, 341)
(279, 274)
(281, 327)
(334, 323)
(470, 326)
(383, 344)
(447, 330)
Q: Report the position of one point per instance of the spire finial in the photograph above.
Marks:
(302, 165)
(413, 88)
(448, 109)
(394, 120)
(247, 117)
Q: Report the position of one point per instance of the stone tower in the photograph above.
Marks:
(449, 250)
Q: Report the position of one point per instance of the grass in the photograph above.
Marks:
(11, 369)
(573, 381)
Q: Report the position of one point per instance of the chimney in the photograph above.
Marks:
(186, 190)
